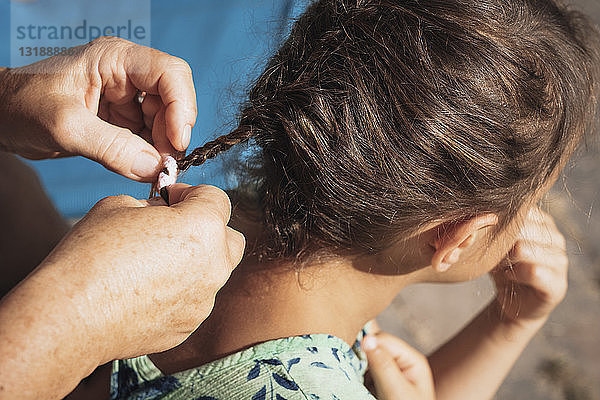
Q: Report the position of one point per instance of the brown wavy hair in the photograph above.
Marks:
(377, 117)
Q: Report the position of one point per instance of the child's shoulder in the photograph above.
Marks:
(301, 367)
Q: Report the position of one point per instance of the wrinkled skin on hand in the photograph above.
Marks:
(82, 103)
(150, 273)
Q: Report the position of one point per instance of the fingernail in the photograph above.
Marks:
(369, 343)
(187, 136)
(145, 165)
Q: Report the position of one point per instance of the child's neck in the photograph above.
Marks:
(258, 305)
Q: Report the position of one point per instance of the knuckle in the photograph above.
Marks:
(99, 41)
(104, 204)
(206, 238)
(180, 321)
(114, 202)
(216, 208)
(108, 40)
(201, 229)
(180, 64)
(107, 201)
(126, 199)
(102, 46)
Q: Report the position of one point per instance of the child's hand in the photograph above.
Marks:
(398, 370)
(532, 280)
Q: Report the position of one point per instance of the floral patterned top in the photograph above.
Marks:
(315, 367)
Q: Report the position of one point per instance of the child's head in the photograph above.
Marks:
(380, 117)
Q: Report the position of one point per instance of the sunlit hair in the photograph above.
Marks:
(378, 117)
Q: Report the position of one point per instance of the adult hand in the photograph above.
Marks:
(83, 103)
(163, 265)
(129, 279)
(532, 280)
(398, 370)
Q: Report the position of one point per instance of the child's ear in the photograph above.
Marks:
(453, 238)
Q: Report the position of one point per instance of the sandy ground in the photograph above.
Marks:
(563, 360)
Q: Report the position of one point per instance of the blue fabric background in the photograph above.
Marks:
(227, 43)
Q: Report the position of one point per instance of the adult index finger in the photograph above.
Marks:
(169, 77)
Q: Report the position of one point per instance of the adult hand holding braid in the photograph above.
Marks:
(103, 293)
(83, 103)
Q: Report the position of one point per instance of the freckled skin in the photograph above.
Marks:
(115, 288)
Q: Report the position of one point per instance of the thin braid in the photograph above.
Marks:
(212, 149)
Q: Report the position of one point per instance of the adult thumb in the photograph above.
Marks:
(390, 383)
(116, 148)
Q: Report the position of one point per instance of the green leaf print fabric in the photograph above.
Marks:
(315, 367)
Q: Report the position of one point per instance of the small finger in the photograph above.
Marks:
(410, 361)
(170, 78)
(390, 383)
